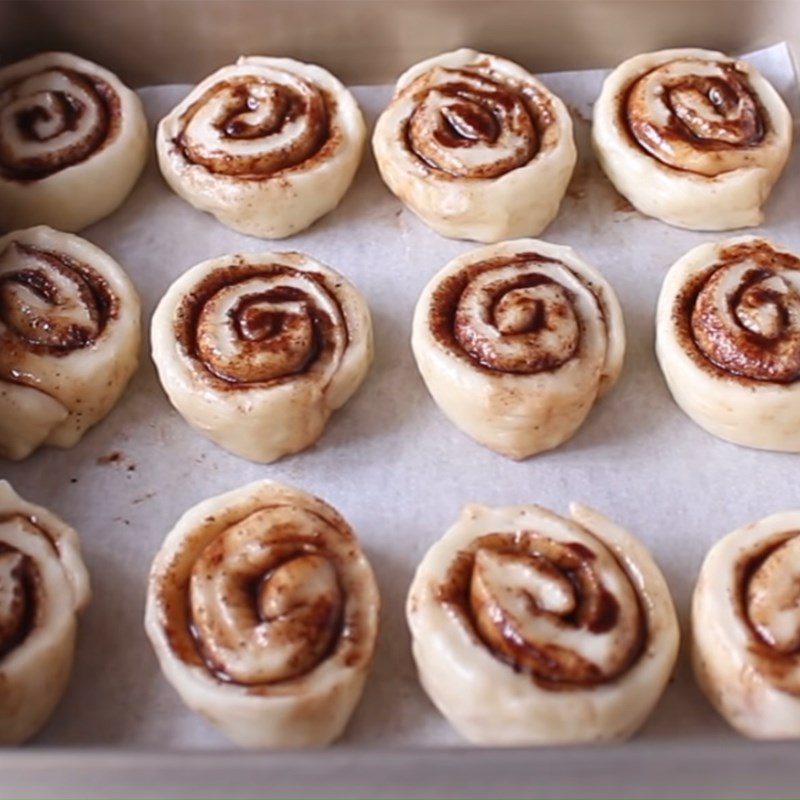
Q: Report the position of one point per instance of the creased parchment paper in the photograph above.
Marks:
(389, 460)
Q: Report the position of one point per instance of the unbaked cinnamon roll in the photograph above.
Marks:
(476, 146)
(263, 612)
(256, 351)
(267, 145)
(746, 627)
(70, 330)
(43, 587)
(692, 137)
(728, 341)
(516, 341)
(530, 628)
(73, 141)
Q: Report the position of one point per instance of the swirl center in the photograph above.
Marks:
(695, 115)
(53, 120)
(49, 300)
(255, 125)
(265, 608)
(256, 323)
(746, 320)
(469, 125)
(559, 611)
(523, 315)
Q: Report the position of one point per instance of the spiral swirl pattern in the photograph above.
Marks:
(266, 145)
(266, 598)
(561, 612)
(768, 579)
(50, 302)
(476, 146)
(516, 341)
(254, 126)
(522, 314)
(743, 313)
(262, 324)
(692, 137)
(263, 612)
(696, 115)
(43, 586)
(54, 119)
(69, 338)
(533, 628)
(257, 350)
(469, 123)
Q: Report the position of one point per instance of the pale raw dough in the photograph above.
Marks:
(257, 350)
(505, 172)
(266, 145)
(42, 575)
(526, 347)
(478, 648)
(66, 172)
(63, 363)
(682, 181)
(746, 627)
(731, 358)
(288, 666)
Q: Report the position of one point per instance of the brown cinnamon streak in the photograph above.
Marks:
(39, 167)
(253, 328)
(547, 664)
(753, 359)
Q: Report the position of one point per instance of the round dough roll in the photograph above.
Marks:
(746, 627)
(516, 341)
(73, 142)
(43, 587)
(476, 146)
(531, 629)
(267, 145)
(728, 341)
(257, 350)
(70, 329)
(263, 612)
(692, 137)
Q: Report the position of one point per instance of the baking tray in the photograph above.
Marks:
(110, 734)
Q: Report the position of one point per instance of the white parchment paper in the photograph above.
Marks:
(389, 460)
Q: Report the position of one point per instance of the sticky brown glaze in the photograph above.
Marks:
(511, 306)
(689, 121)
(58, 321)
(275, 586)
(740, 317)
(275, 335)
(59, 112)
(585, 605)
(760, 597)
(257, 110)
(473, 107)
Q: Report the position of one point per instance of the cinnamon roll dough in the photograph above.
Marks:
(73, 142)
(282, 666)
(529, 628)
(476, 146)
(516, 341)
(266, 145)
(43, 587)
(746, 627)
(257, 350)
(692, 137)
(728, 340)
(70, 327)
